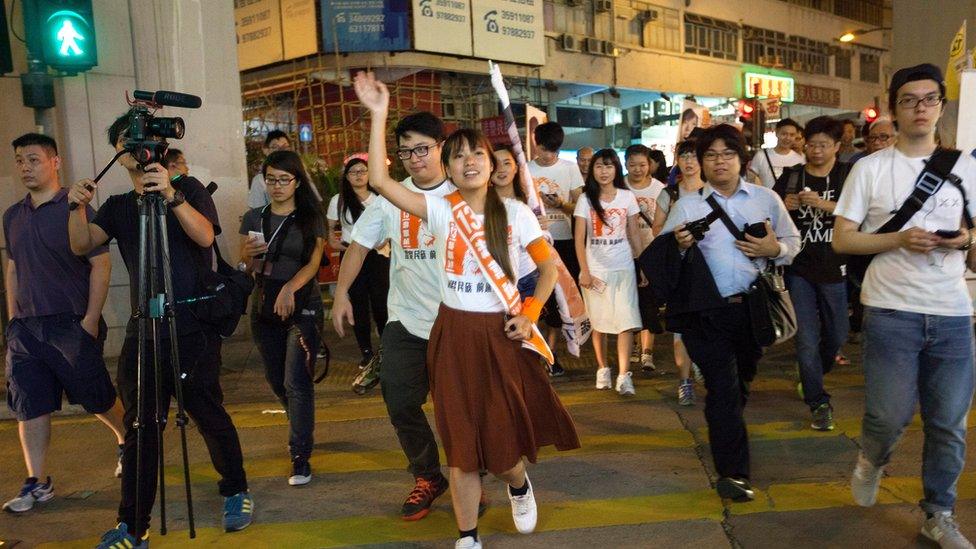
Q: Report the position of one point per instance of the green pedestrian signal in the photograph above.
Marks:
(62, 33)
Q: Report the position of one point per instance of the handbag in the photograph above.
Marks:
(226, 292)
(770, 307)
(937, 171)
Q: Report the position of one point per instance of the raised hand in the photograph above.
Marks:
(371, 92)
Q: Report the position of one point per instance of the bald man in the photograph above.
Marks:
(583, 157)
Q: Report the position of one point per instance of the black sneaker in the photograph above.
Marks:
(367, 356)
(418, 503)
(735, 489)
(823, 418)
(301, 471)
(556, 370)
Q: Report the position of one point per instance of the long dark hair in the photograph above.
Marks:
(348, 199)
(592, 189)
(496, 218)
(661, 173)
(516, 181)
(308, 211)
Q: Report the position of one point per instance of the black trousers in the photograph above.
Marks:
(403, 380)
(368, 294)
(726, 353)
(204, 403)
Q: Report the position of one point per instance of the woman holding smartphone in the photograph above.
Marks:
(283, 246)
(607, 241)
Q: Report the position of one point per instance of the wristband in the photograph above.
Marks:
(969, 244)
(532, 308)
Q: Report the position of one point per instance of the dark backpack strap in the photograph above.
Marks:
(772, 170)
(282, 231)
(936, 171)
(717, 208)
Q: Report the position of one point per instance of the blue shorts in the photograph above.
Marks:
(53, 355)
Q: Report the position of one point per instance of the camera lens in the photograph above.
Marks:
(170, 128)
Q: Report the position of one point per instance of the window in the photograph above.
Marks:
(776, 49)
(870, 68)
(867, 11)
(842, 64)
(711, 37)
(648, 25)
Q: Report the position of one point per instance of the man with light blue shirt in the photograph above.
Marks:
(722, 344)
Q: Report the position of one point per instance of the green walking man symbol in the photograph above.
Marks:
(68, 36)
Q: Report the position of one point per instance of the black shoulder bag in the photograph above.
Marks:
(770, 306)
(938, 169)
(226, 291)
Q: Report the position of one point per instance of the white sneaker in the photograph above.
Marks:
(864, 481)
(32, 492)
(942, 529)
(524, 511)
(118, 466)
(647, 362)
(625, 385)
(467, 542)
(603, 378)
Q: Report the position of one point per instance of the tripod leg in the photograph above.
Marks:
(142, 317)
(156, 320)
(174, 354)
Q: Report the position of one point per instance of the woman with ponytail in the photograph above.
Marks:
(493, 404)
(282, 244)
(607, 241)
(369, 290)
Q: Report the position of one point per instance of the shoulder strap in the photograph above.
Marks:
(282, 229)
(717, 208)
(672, 191)
(935, 172)
(772, 171)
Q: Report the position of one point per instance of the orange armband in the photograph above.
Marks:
(538, 250)
(532, 308)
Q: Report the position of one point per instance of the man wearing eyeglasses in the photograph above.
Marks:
(412, 304)
(880, 134)
(918, 333)
(816, 278)
(722, 342)
(257, 196)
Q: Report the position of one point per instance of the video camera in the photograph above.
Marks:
(147, 132)
(699, 227)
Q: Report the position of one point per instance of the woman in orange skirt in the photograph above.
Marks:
(493, 404)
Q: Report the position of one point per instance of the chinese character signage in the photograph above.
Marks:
(767, 85)
(442, 26)
(816, 95)
(269, 31)
(365, 25)
(509, 30)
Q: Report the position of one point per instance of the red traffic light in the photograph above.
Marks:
(870, 114)
(746, 108)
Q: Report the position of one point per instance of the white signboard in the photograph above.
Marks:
(509, 30)
(442, 26)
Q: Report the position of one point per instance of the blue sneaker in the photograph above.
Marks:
(120, 538)
(33, 491)
(238, 512)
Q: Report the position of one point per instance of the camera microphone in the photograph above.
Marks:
(169, 98)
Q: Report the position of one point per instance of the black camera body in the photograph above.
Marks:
(699, 227)
(147, 132)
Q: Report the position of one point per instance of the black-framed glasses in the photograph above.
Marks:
(358, 172)
(712, 156)
(911, 101)
(419, 151)
(278, 181)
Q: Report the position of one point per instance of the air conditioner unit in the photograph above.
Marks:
(594, 46)
(647, 15)
(568, 42)
(608, 48)
(603, 5)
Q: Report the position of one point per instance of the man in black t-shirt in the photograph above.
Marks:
(192, 223)
(816, 278)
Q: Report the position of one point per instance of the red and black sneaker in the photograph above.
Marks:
(421, 497)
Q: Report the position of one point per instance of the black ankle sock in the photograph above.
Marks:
(472, 533)
(519, 491)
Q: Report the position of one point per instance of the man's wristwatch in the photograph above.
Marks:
(178, 199)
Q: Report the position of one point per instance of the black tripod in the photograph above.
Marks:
(156, 302)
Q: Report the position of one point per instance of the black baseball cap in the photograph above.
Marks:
(925, 71)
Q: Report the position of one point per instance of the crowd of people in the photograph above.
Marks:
(457, 274)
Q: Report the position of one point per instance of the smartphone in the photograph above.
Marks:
(948, 234)
(257, 236)
(757, 230)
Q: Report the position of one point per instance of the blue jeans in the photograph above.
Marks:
(909, 358)
(822, 324)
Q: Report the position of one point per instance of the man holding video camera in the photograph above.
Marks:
(191, 222)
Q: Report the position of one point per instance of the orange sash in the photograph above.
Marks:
(473, 234)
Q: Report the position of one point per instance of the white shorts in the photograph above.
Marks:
(615, 310)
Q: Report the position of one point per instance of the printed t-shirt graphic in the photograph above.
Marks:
(560, 179)
(607, 247)
(647, 202)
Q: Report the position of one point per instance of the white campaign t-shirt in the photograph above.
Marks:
(607, 246)
(561, 178)
(415, 267)
(769, 176)
(931, 283)
(347, 222)
(647, 202)
(462, 284)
